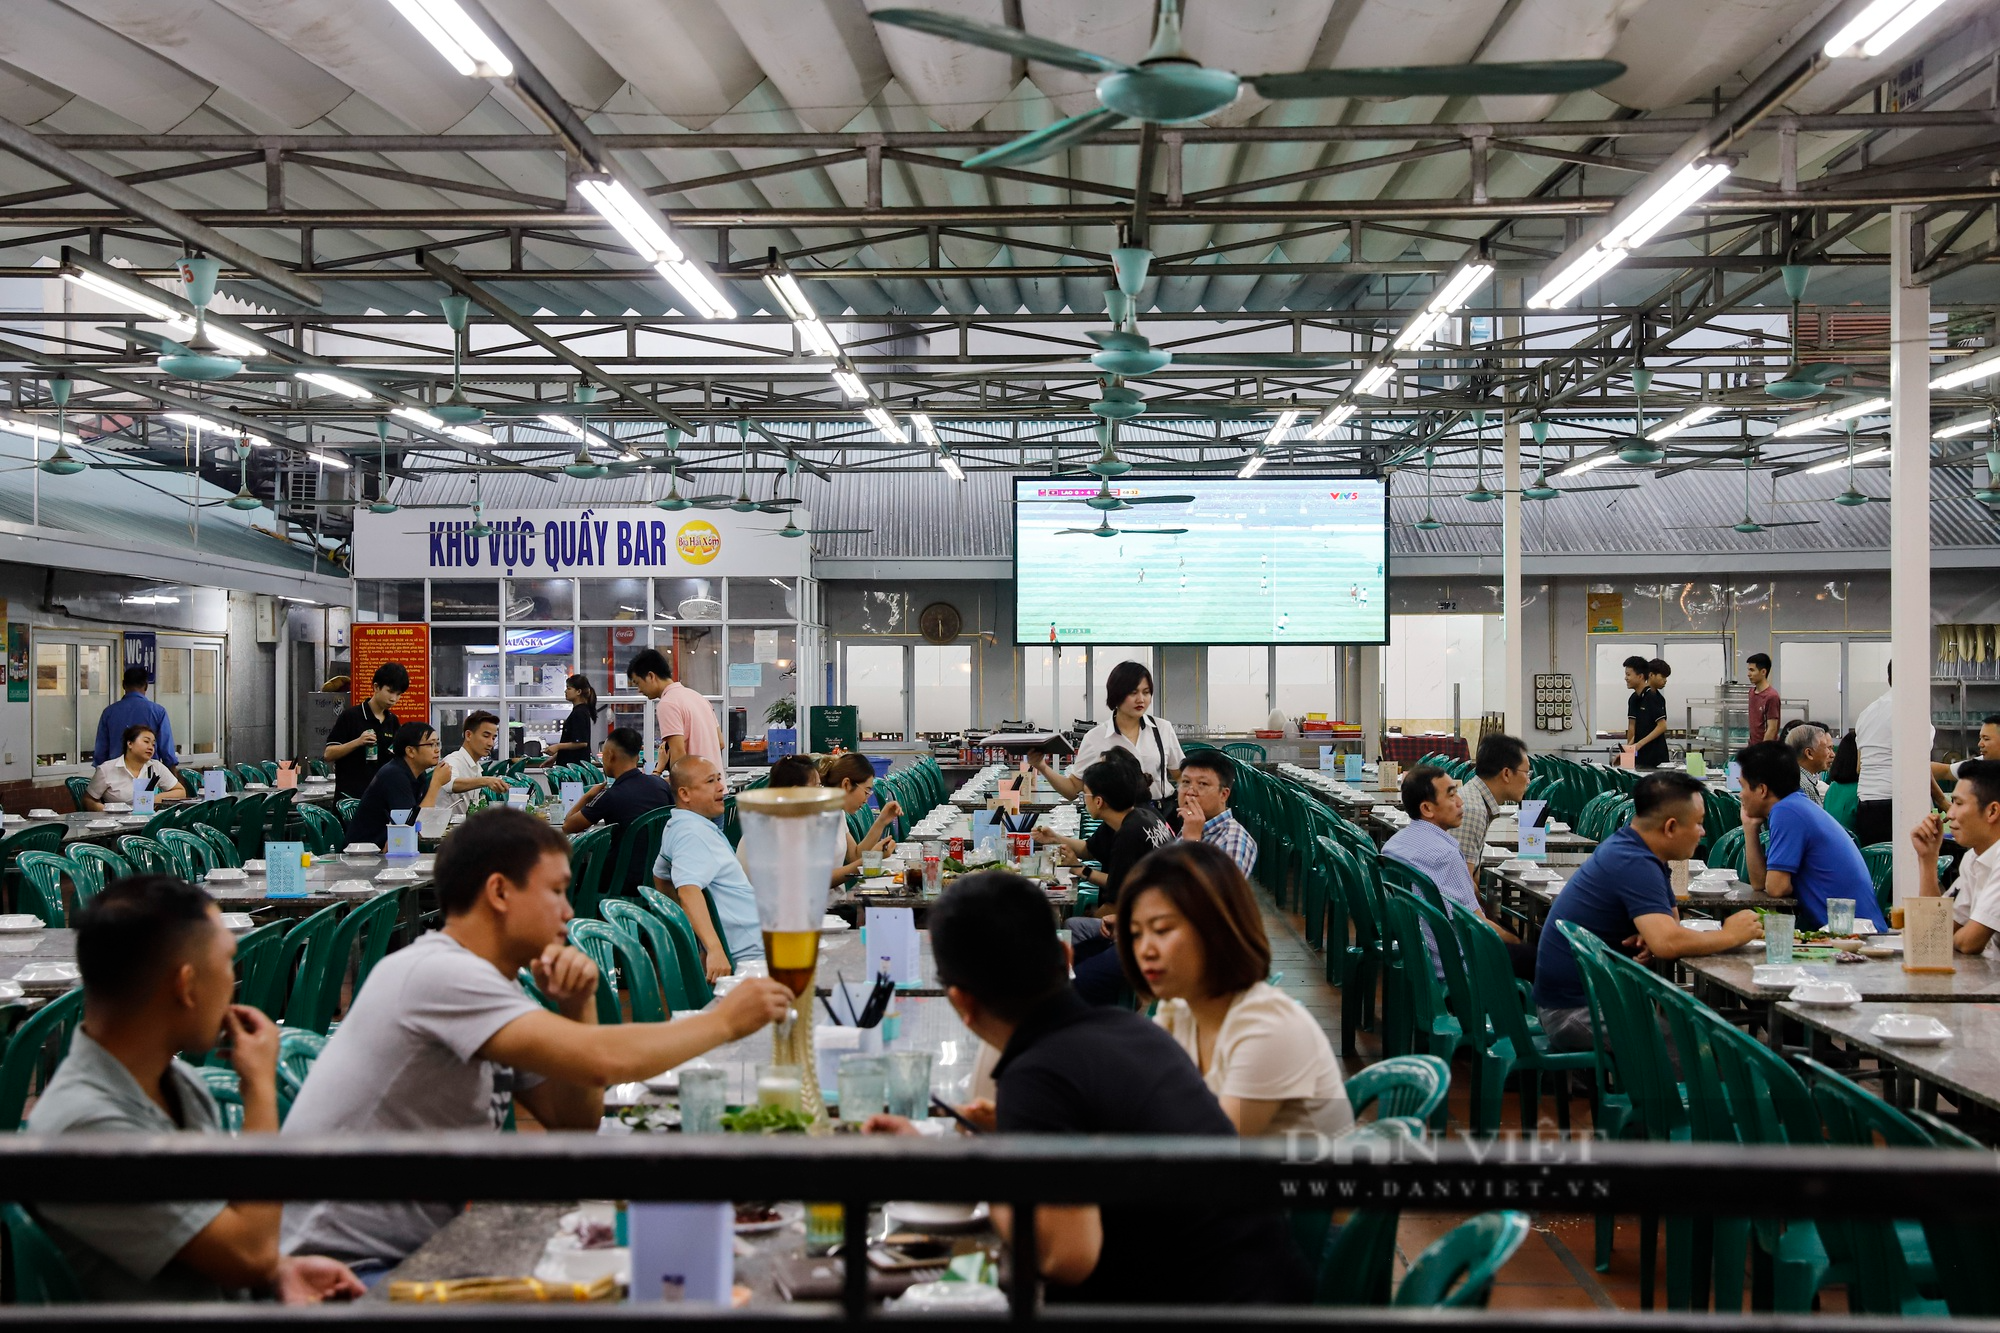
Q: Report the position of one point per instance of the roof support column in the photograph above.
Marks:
(1909, 537)
(1512, 637)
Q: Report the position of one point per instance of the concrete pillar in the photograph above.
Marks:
(1513, 640)
(1909, 540)
(1371, 702)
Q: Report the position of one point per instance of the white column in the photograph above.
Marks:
(1909, 542)
(1512, 637)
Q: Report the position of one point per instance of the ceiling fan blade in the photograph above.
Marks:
(1262, 360)
(156, 342)
(1167, 411)
(1501, 79)
(1620, 486)
(995, 37)
(711, 501)
(1075, 532)
(1119, 340)
(1157, 499)
(1792, 523)
(1042, 143)
(1150, 532)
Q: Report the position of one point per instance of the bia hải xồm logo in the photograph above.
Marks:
(698, 542)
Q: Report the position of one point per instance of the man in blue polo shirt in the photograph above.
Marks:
(1623, 895)
(1811, 857)
(134, 709)
(695, 856)
(630, 792)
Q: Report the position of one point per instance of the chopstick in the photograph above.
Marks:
(939, 1104)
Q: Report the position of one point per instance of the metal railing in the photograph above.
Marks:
(1580, 1175)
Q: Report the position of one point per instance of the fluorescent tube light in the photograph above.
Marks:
(1665, 204)
(886, 424)
(1329, 421)
(35, 431)
(950, 466)
(458, 39)
(1585, 269)
(328, 460)
(470, 434)
(692, 281)
(565, 425)
(1972, 368)
(638, 224)
(926, 430)
(1373, 382)
(791, 296)
(1583, 465)
(417, 416)
(345, 387)
(1281, 426)
(197, 422)
(1835, 464)
(1951, 430)
(1418, 332)
(1877, 28)
(1251, 466)
(231, 343)
(1821, 420)
(149, 306)
(850, 384)
(1694, 416)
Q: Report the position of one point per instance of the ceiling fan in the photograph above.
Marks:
(200, 357)
(1539, 488)
(1749, 526)
(741, 502)
(1801, 380)
(1104, 529)
(1105, 501)
(1168, 86)
(1430, 522)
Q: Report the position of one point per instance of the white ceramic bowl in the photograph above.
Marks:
(1775, 976)
(1911, 1029)
(1823, 994)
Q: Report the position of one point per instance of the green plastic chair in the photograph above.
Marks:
(1425, 1025)
(259, 951)
(617, 956)
(297, 1049)
(1881, 859)
(37, 1273)
(1456, 1271)
(1411, 1086)
(362, 937)
(589, 852)
(694, 977)
(41, 881)
(638, 847)
(1508, 1035)
(1891, 1261)
(246, 825)
(77, 787)
(1358, 1264)
(146, 856)
(227, 1090)
(645, 926)
(40, 838)
(1369, 956)
(191, 853)
(1727, 850)
(91, 867)
(302, 962)
(318, 828)
(37, 1047)
(1245, 751)
(222, 852)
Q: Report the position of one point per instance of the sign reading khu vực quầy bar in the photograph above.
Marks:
(586, 543)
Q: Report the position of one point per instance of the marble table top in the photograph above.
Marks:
(1967, 1065)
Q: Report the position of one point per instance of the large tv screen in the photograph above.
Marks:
(1258, 560)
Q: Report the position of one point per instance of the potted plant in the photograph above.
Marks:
(782, 712)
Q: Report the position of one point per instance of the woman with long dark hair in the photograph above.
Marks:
(1843, 782)
(583, 730)
(854, 777)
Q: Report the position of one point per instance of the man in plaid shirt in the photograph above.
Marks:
(1500, 777)
(1204, 808)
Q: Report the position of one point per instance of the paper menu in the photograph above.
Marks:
(1681, 875)
(1927, 932)
(214, 785)
(1329, 759)
(144, 799)
(889, 942)
(1352, 766)
(284, 870)
(1386, 774)
(682, 1251)
(569, 794)
(1533, 842)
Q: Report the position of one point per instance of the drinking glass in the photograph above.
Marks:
(871, 861)
(826, 1227)
(1840, 916)
(1778, 937)
(864, 1086)
(780, 1085)
(704, 1096)
(910, 1084)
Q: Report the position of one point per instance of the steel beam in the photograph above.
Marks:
(31, 147)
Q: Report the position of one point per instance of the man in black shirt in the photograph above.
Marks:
(358, 745)
(1067, 1068)
(397, 785)
(1645, 715)
(1111, 792)
(631, 792)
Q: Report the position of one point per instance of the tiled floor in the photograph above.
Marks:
(1553, 1270)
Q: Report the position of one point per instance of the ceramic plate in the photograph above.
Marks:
(238, 922)
(936, 1216)
(832, 925)
(1911, 1030)
(10, 991)
(1778, 976)
(396, 877)
(102, 823)
(1711, 890)
(787, 1213)
(228, 873)
(43, 970)
(361, 849)
(255, 865)
(43, 813)
(19, 923)
(1848, 1001)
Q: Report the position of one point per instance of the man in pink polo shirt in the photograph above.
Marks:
(687, 721)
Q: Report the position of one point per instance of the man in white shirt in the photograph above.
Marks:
(1989, 748)
(1975, 823)
(1875, 739)
(461, 773)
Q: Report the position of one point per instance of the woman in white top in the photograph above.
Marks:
(1190, 936)
(1128, 693)
(114, 779)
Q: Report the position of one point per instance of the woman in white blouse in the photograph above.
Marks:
(1128, 693)
(1190, 936)
(115, 778)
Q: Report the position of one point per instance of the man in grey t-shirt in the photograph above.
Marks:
(157, 980)
(443, 1038)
